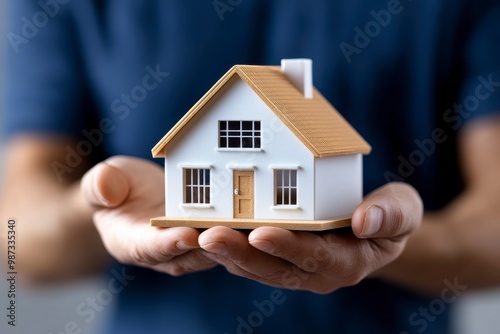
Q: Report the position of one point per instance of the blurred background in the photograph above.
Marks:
(46, 309)
(50, 309)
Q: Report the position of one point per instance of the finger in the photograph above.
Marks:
(192, 261)
(307, 251)
(145, 178)
(105, 185)
(113, 181)
(140, 244)
(240, 258)
(391, 211)
(321, 264)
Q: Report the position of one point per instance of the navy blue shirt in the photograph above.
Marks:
(407, 75)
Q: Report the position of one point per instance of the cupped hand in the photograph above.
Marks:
(126, 192)
(322, 262)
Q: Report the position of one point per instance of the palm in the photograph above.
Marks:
(128, 192)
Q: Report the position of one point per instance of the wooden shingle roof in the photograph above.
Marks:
(315, 122)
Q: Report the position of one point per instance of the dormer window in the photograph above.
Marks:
(239, 134)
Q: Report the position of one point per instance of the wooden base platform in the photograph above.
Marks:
(250, 224)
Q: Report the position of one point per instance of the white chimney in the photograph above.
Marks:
(299, 72)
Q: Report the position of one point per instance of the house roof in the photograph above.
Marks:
(315, 122)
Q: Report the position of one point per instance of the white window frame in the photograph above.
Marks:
(196, 186)
(254, 134)
(286, 188)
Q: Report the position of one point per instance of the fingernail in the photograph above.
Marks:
(373, 221)
(103, 201)
(216, 248)
(263, 245)
(182, 246)
(114, 188)
(97, 193)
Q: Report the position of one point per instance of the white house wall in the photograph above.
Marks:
(197, 146)
(339, 187)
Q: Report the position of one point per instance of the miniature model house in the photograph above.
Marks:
(262, 147)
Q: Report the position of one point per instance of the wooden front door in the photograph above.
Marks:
(243, 193)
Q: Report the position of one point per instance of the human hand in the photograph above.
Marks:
(126, 192)
(326, 261)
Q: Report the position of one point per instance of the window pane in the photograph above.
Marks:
(207, 177)
(247, 133)
(293, 178)
(279, 196)
(279, 178)
(256, 125)
(293, 196)
(201, 175)
(286, 196)
(223, 133)
(195, 195)
(222, 125)
(202, 195)
(234, 125)
(247, 125)
(223, 142)
(246, 142)
(286, 178)
(188, 195)
(207, 195)
(195, 177)
(234, 142)
(257, 143)
(188, 176)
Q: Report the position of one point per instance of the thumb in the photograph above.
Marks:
(105, 185)
(391, 211)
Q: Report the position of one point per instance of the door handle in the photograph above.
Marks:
(236, 191)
